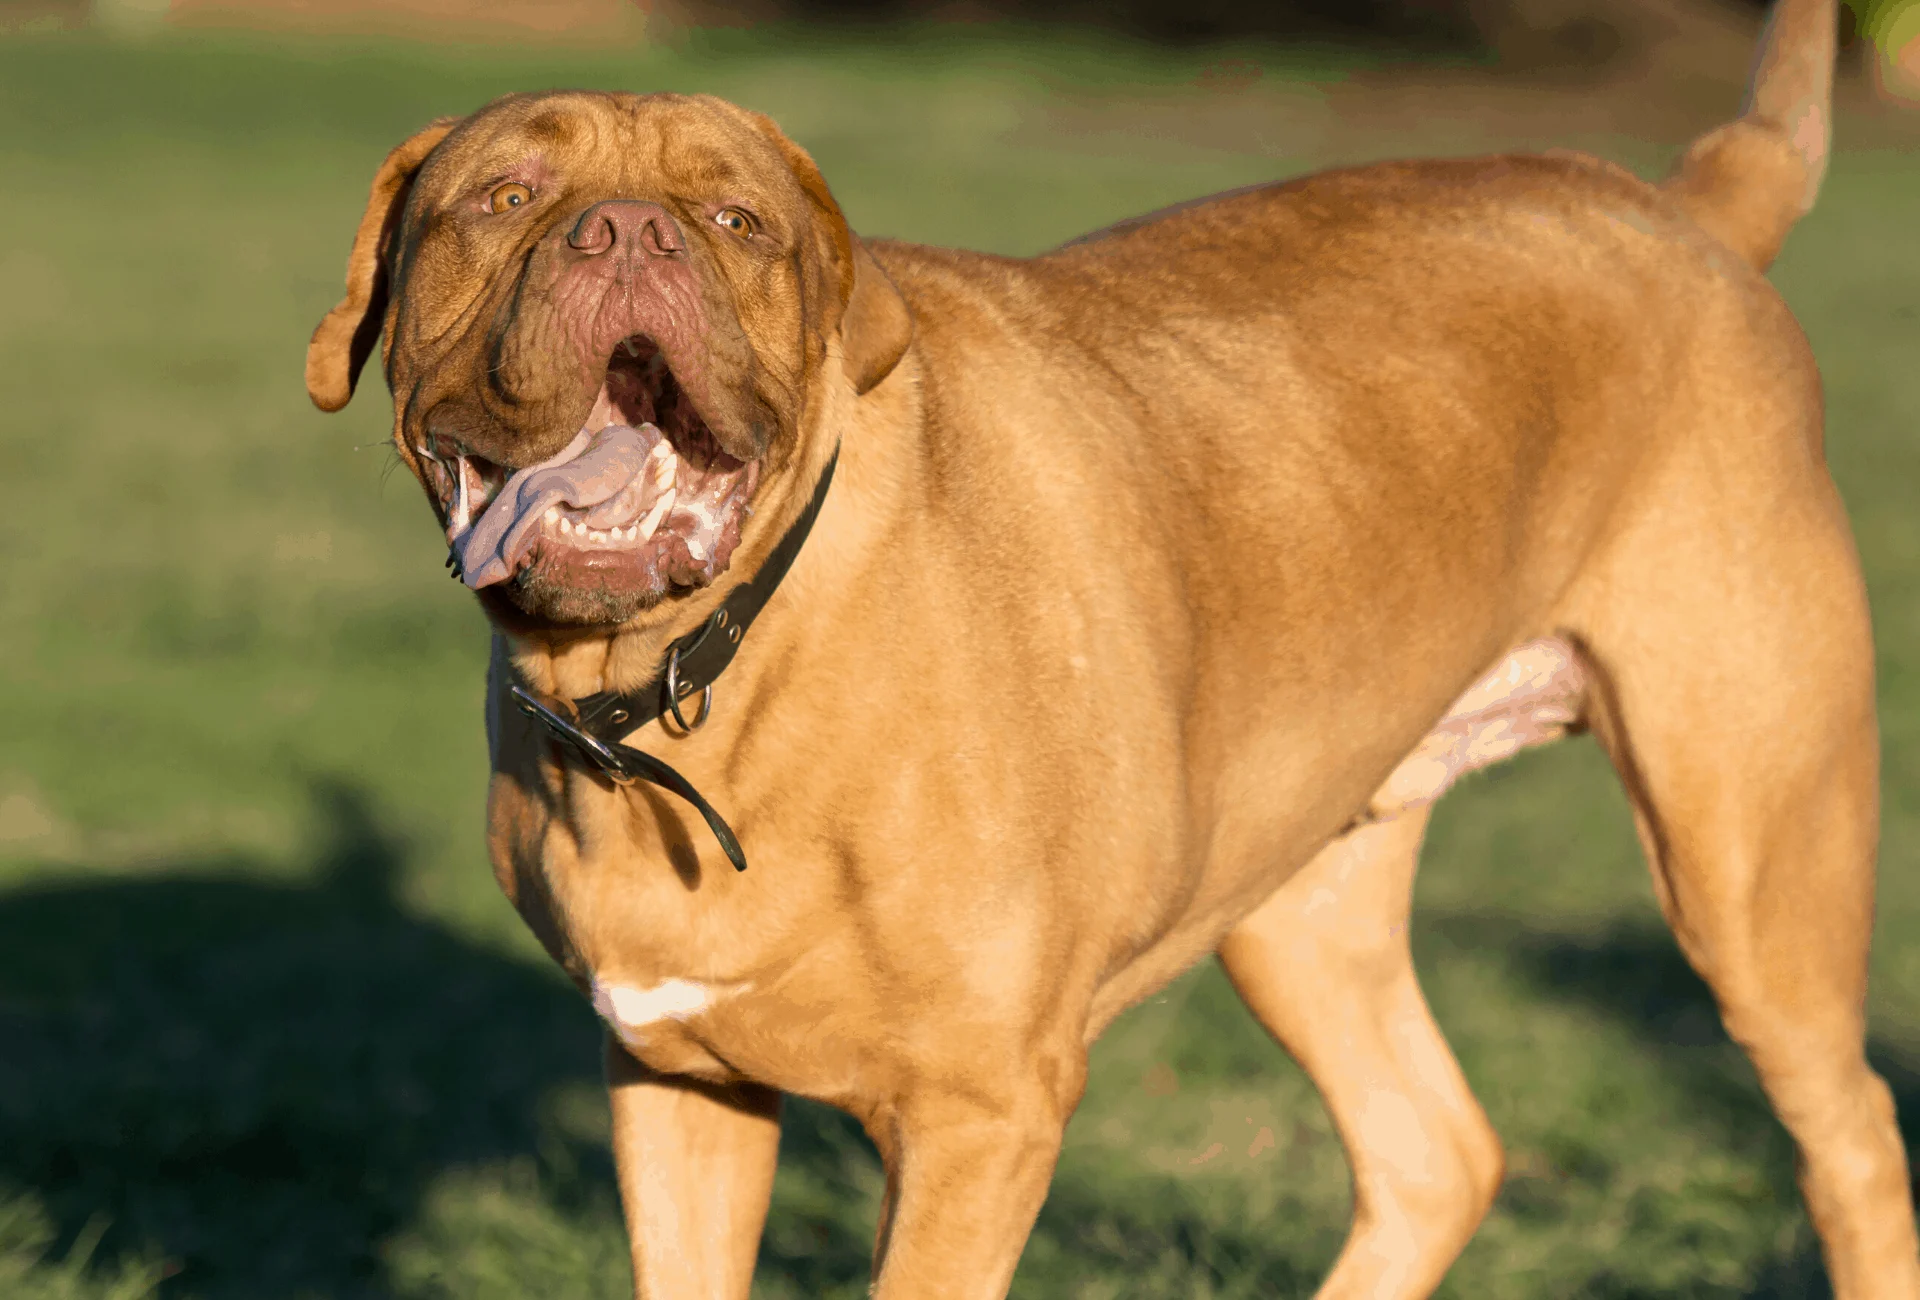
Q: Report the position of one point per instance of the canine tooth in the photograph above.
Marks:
(663, 472)
(463, 506)
(660, 510)
(695, 549)
(553, 514)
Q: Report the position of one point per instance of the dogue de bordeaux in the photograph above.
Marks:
(907, 659)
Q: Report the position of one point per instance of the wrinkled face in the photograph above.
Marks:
(605, 314)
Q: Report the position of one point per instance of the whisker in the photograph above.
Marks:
(393, 463)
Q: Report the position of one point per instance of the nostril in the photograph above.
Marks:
(659, 240)
(593, 233)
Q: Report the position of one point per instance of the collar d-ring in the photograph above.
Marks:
(595, 724)
(676, 688)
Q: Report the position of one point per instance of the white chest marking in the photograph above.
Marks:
(630, 1010)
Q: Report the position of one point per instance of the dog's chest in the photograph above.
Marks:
(705, 973)
(668, 988)
(724, 1030)
(667, 1024)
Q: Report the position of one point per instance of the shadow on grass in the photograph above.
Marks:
(261, 1079)
(1150, 1231)
(1633, 972)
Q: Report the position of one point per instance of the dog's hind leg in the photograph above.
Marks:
(1324, 964)
(1729, 640)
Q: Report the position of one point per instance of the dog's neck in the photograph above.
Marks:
(574, 663)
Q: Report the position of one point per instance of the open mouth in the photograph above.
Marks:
(643, 499)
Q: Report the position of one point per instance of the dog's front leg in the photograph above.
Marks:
(696, 1173)
(965, 1180)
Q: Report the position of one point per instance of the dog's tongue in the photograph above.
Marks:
(593, 468)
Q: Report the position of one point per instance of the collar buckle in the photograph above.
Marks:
(596, 751)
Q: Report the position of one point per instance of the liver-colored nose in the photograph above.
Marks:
(628, 226)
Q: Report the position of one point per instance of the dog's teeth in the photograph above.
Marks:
(566, 525)
(695, 549)
(596, 536)
(553, 514)
(462, 503)
(660, 510)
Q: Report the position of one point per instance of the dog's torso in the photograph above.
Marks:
(1134, 583)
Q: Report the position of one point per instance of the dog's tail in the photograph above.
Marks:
(1747, 182)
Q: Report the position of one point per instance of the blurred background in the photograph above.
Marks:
(267, 1028)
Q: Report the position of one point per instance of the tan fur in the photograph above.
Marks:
(1747, 182)
(1146, 564)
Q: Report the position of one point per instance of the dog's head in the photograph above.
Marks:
(607, 318)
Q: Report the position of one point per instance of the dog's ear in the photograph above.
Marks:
(346, 335)
(876, 326)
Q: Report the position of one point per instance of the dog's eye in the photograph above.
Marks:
(735, 220)
(508, 196)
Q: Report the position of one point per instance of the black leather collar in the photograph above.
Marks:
(692, 665)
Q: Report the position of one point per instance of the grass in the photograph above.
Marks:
(266, 1028)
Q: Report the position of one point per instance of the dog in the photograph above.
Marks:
(907, 659)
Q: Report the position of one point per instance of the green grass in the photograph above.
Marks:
(266, 1028)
